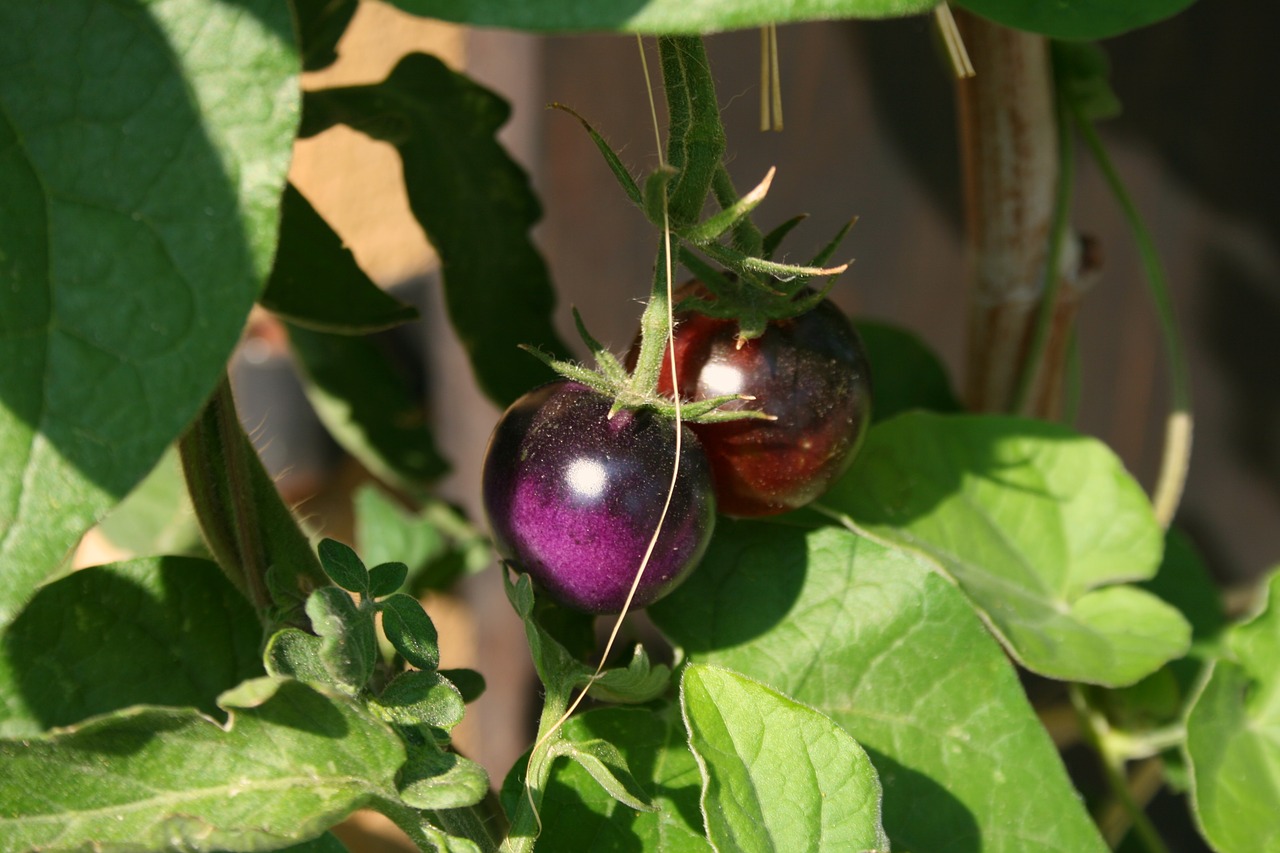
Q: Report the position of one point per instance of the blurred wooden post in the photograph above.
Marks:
(1009, 154)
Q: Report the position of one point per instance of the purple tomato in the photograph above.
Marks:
(573, 497)
(810, 372)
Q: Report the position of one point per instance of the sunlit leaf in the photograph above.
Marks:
(1233, 738)
(894, 653)
(1041, 527)
(776, 774)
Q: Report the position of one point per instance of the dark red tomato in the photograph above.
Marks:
(573, 497)
(810, 372)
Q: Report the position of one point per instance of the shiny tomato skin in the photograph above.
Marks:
(573, 497)
(810, 372)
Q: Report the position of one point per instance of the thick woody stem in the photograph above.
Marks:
(1010, 155)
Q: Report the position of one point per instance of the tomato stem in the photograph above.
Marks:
(250, 532)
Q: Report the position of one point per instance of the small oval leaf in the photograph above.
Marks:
(410, 630)
(776, 774)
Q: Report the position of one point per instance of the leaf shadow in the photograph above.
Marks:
(137, 633)
(919, 814)
(765, 563)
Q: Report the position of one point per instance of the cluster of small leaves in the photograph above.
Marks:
(755, 289)
(421, 703)
(124, 725)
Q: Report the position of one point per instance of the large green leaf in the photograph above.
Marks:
(655, 16)
(474, 203)
(291, 762)
(143, 147)
(164, 631)
(316, 281)
(1233, 738)
(776, 774)
(579, 814)
(1076, 19)
(1040, 526)
(893, 652)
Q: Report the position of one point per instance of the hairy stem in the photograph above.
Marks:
(250, 532)
(525, 823)
(1094, 727)
(214, 462)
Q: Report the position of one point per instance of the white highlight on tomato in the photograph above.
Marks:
(718, 379)
(586, 477)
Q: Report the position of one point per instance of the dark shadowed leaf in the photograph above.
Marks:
(1076, 19)
(474, 203)
(316, 281)
(368, 406)
(320, 24)
(905, 373)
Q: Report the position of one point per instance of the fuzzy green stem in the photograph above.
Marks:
(695, 136)
(216, 467)
(653, 332)
(1094, 728)
(1179, 426)
(248, 529)
(525, 823)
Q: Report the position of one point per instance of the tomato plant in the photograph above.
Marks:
(918, 616)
